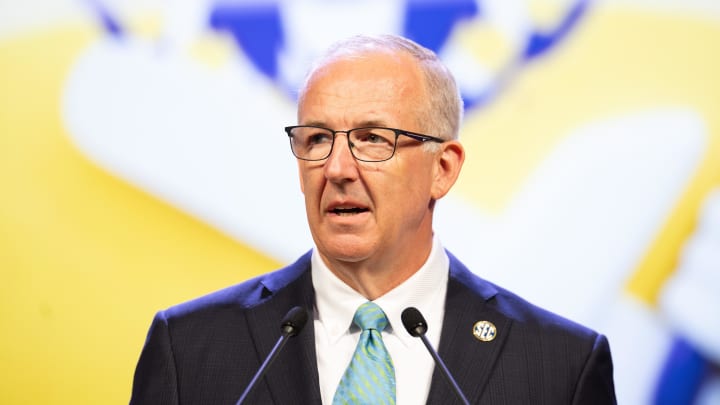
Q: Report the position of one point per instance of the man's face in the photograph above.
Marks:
(360, 211)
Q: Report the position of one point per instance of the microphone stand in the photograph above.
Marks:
(292, 324)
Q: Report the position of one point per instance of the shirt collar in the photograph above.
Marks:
(425, 290)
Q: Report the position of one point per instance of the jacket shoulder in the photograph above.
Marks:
(244, 295)
(523, 313)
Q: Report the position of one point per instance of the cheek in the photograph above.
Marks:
(413, 178)
(400, 194)
(306, 175)
(311, 184)
(301, 176)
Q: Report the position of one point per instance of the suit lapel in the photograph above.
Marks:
(293, 376)
(469, 359)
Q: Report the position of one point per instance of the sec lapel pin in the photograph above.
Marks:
(484, 331)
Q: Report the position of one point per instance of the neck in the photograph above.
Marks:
(374, 277)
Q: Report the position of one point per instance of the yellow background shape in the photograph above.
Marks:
(86, 259)
(617, 62)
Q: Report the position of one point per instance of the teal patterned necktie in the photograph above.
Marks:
(370, 377)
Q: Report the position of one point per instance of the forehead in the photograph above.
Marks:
(373, 86)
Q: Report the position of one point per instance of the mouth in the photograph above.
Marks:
(347, 211)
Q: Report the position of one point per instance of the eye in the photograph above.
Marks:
(374, 136)
(318, 138)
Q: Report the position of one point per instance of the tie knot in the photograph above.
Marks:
(370, 316)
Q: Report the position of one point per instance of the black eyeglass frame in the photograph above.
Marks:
(413, 135)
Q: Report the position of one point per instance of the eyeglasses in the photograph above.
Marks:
(369, 144)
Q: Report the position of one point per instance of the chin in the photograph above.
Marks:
(347, 249)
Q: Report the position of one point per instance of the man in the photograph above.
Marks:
(376, 146)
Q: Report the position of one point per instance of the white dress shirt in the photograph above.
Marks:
(336, 336)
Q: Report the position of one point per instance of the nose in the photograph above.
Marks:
(341, 166)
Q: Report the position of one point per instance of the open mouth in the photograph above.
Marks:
(348, 211)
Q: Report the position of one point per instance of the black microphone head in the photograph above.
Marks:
(294, 321)
(413, 321)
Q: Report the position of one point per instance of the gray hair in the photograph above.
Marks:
(442, 113)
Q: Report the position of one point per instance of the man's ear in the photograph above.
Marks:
(448, 163)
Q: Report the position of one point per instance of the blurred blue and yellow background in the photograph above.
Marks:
(143, 163)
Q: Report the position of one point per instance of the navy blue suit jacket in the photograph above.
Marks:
(206, 351)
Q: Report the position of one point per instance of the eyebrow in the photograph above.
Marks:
(315, 124)
(361, 124)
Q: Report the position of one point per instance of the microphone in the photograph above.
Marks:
(290, 326)
(416, 326)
